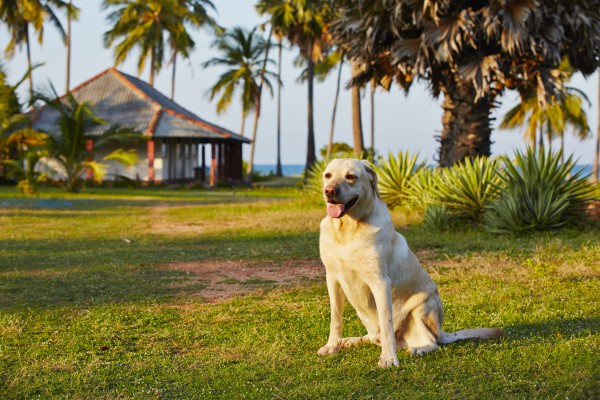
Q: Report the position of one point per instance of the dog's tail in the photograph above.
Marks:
(479, 333)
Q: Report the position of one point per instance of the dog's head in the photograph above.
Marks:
(348, 185)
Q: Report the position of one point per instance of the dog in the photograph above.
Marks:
(371, 264)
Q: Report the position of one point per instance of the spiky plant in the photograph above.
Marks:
(395, 174)
(436, 216)
(468, 187)
(420, 191)
(539, 193)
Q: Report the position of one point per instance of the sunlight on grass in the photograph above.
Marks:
(92, 307)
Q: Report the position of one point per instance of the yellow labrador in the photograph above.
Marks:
(371, 264)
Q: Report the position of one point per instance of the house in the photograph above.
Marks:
(175, 149)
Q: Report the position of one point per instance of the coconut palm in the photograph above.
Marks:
(552, 117)
(595, 176)
(268, 7)
(18, 15)
(72, 15)
(69, 145)
(242, 53)
(11, 122)
(193, 13)
(469, 52)
(141, 24)
(304, 24)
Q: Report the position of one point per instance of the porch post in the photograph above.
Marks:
(151, 155)
(202, 171)
(89, 147)
(213, 165)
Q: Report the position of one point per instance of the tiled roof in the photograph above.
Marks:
(126, 100)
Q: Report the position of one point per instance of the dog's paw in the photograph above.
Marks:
(328, 349)
(388, 361)
(420, 351)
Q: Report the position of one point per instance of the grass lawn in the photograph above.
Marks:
(95, 303)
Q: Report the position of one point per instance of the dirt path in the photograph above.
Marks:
(218, 281)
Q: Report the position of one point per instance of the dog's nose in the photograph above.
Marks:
(330, 191)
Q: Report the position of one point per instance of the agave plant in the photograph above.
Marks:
(539, 193)
(468, 187)
(395, 175)
(420, 193)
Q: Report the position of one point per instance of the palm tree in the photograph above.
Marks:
(18, 15)
(194, 13)
(597, 150)
(243, 55)
(142, 24)
(357, 131)
(469, 52)
(263, 7)
(338, 58)
(72, 14)
(257, 107)
(69, 146)
(304, 24)
(551, 117)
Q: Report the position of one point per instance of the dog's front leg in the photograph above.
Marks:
(382, 293)
(336, 299)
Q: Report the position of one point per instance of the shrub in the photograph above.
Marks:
(468, 187)
(420, 192)
(436, 216)
(395, 175)
(539, 193)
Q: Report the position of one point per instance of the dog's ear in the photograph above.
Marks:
(372, 177)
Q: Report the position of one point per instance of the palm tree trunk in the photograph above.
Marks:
(311, 156)
(257, 111)
(372, 118)
(541, 138)
(279, 171)
(243, 122)
(357, 132)
(29, 67)
(173, 75)
(466, 122)
(335, 104)
(152, 58)
(68, 44)
(597, 153)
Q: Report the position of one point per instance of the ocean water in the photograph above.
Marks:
(286, 169)
(298, 170)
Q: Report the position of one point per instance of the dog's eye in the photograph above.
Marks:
(350, 177)
(327, 175)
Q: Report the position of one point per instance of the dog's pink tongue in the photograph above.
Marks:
(335, 210)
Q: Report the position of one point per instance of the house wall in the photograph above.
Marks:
(173, 160)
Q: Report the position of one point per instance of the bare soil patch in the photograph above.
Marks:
(218, 281)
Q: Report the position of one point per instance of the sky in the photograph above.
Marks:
(402, 122)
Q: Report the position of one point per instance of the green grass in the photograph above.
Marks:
(92, 304)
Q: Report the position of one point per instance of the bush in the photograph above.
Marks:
(539, 193)
(436, 216)
(468, 187)
(395, 176)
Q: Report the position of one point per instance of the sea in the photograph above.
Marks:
(286, 169)
(298, 169)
